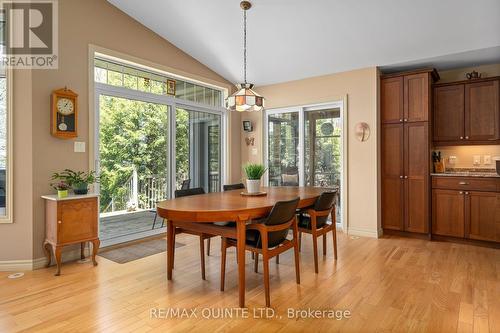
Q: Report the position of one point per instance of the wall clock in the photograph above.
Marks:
(64, 114)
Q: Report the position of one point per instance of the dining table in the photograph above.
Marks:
(199, 212)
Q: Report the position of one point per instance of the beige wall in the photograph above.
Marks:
(465, 154)
(360, 88)
(38, 154)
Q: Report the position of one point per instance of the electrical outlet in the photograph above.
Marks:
(452, 159)
(476, 159)
(79, 147)
(487, 159)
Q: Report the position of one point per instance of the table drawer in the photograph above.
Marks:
(466, 183)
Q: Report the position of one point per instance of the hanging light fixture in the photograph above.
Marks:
(245, 99)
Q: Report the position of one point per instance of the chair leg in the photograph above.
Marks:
(324, 244)
(223, 249)
(202, 257)
(253, 255)
(300, 240)
(162, 222)
(265, 262)
(296, 254)
(315, 252)
(208, 246)
(154, 221)
(256, 263)
(278, 259)
(334, 235)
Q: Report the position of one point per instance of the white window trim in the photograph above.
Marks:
(9, 166)
(342, 105)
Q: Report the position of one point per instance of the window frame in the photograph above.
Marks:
(9, 170)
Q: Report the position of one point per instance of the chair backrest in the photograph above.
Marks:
(230, 187)
(282, 212)
(188, 192)
(185, 184)
(324, 202)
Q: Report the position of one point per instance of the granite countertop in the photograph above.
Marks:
(488, 173)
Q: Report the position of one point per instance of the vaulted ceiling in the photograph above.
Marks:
(292, 39)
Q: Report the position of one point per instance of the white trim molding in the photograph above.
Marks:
(363, 232)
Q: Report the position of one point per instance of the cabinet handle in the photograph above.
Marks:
(401, 177)
(461, 192)
(466, 138)
(405, 119)
(406, 177)
(59, 222)
(400, 120)
(461, 138)
(463, 183)
(466, 193)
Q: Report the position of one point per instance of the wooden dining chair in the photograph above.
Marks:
(230, 187)
(268, 236)
(178, 228)
(314, 221)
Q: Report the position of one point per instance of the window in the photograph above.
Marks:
(5, 144)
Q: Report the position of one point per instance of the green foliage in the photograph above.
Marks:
(133, 134)
(254, 171)
(75, 178)
(61, 186)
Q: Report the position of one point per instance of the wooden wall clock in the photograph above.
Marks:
(64, 114)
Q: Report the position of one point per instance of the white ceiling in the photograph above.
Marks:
(292, 39)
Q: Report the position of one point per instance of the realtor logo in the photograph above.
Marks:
(30, 34)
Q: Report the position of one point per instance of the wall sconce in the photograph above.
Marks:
(247, 126)
(362, 131)
(250, 141)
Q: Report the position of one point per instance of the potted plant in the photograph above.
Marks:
(61, 188)
(254, 173)
(78, 180)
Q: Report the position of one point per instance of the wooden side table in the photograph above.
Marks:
(70, 220)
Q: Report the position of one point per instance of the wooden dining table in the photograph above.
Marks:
(204, 209)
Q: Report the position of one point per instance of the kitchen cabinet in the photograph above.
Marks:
(466, 207)
(467, 112)
(405, 150)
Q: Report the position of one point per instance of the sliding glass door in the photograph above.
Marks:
(198, 149)
(304, 147)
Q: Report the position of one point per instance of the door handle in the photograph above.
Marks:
(461, 192)
(463, 183)
(400, 120)
(466, 193)
(466, 138)
(400, 177)
(59, 222)
(406, 119)
(406, 177)
(461, 138)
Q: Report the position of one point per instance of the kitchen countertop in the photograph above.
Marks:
(486, 174)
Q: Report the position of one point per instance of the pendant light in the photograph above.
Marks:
(245, 99)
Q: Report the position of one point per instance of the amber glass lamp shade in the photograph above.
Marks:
(245, 99)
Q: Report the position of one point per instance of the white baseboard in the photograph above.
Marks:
(32, 264)
(363, 232)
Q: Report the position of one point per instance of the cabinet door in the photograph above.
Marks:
(392, 176)
(78, 220)
(416, 97)
(416, 160)
(449, 113)
(448, 213)
(483, 218)
(391, 100)
(482, 117)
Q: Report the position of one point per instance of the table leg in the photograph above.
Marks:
(240, 236)
(170, 248)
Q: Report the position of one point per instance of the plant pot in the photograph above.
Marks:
(62, 194)
(253, 185)
(82, 188)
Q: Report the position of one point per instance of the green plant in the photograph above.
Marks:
(75, 178)
(254, 171)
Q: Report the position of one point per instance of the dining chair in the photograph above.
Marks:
(178, 228)
(314, 221)
(230, 187)
(268, 236)
(185, 184)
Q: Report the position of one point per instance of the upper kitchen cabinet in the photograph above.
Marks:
(467, 112)
(482, 119)
(406, 98)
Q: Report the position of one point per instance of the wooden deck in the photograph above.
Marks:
(126, 224)
(389, 285)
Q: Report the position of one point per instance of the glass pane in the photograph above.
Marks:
(115, 78)
(180, 91)
(189, 91)
(200, 94)
(3, 145)
(198, 149)
(322, 149)
(130, 81)
(133, 142)
(283, 142)
(100, 75)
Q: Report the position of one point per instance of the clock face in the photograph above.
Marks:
(65, 106)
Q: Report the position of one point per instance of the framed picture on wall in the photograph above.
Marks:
(171, 87)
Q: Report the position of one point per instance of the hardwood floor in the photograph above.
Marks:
(390, 284)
